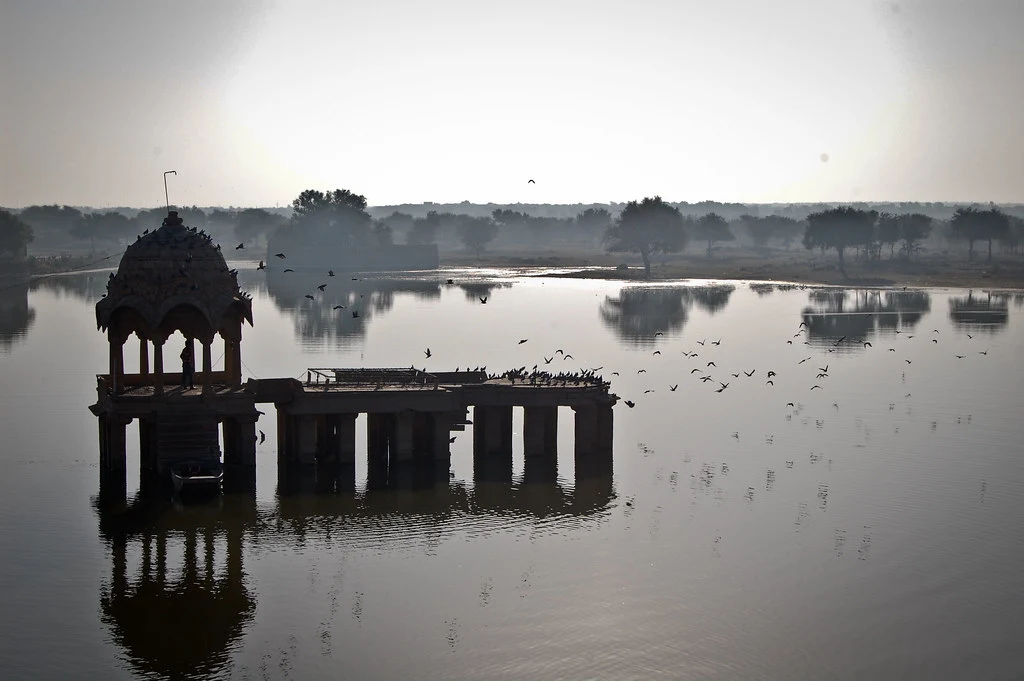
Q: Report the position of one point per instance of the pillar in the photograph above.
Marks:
(377, 435)
(305, 438)
(143, 356)
(441, 432)
(113, 458)
(345, 438)
(240, 453)
(492, 443)
(233, 361)
(540, 431)
(207, 367)
(116, 364)
(593, 434)
(158, 366)
(403, 436)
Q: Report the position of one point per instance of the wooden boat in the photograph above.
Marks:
(196, 475)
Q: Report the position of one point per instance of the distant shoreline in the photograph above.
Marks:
(927, 272)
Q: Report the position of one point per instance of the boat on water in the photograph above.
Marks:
(196, 475)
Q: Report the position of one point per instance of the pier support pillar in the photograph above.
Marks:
(441, 432)
(593, 435)
(158, 366)
(305, 439)
(492, 443)
(404, 436)
(540, 431)
(240, 453)
(113, 457)
(345, 438)
(378, 427)
(116, 363)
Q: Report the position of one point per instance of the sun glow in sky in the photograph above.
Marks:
(404, 101)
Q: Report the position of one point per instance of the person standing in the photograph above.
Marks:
(188, 367)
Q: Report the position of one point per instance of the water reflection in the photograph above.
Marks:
(16, 317)
(339, 307)
(980, 313)
(478, 291)
(712, 299)
(843, 320)
(638, 312)
(177, 599)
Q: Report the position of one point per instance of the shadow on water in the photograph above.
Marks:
(177, 599)
(843, 321)
(16, 317)
(986, 313)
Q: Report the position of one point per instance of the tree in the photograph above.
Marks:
(15, 234)
(400, 223)
(647, 227)
(914, 227)
(339, 214)
(889, 231)
(382, 234)
(424, 230)
(593, 221)
(109, 226)
(840, 228)
(477, 233)
(253, 223)
(979, 225)
(712, 228)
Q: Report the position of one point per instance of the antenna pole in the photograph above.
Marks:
(166, 200)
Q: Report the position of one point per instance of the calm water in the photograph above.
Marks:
(871, 529)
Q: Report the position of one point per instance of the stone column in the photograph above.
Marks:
(442, 448)
(345, 432)
(143, 356)
(233, 360)
(593, 433)
(113, 458)
(540, 431)
(207, 367)
(492, 443)
(305, 439)
(116, 363)
(240, 454)
(403, 441)
(158, 366)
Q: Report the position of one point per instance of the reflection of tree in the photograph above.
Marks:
(986, 312)
(640, 312)
(858, 315)
(762, 289)
(329, 314)
(16, 316)
(89, 286)
(481, 289)
(177, 623)
(711, 299)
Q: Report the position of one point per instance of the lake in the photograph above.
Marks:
(858, 517)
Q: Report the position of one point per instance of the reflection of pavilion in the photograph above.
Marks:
(180, 621)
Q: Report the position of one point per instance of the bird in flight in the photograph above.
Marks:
(816, 386)
(427, 352)
(483, 300)
(339, 307)
(355, 313)
(309, 296)
(321, 287)
(717, 342)
(644, 371)
(330, 273)
(672, 388)
(750, 373)
(523, 340)
(263, 437)
(691, 370)
(724, 386)
(279, 255)
(712, 364)
(288, 269)
(530, 182)
(567, 356)
(261, 266)
(701, 342)
(630, 404)
(657, 352)
(547, 360)
(239, 246)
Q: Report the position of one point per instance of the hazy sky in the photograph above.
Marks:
(450, 100)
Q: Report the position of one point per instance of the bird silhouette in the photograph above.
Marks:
(692, 371)
(648, 391)
(644, 371)
(355, 313)
(427, 352)
(338, 307)
(867, 344)
(279, 255)
(451, 439)
(907, 361)
(803, 360)
(330, 273)
(288, 269)
(724, 386)
(712, 364)
(769, 382)
(717, 342)
(321, 287)
(657, 352)
(567, 356)
(959, 356)
(263, 437)
(547, 360)
(522, 340)
(530, 182)
(239, 246)
(770, 374)
(309, 296)
(261, 266)
(982, 352)
(630, 404)
(750, 373)
(701, 342)
(659, 333)
(816, 386)
(483, 300)
(672, 388)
